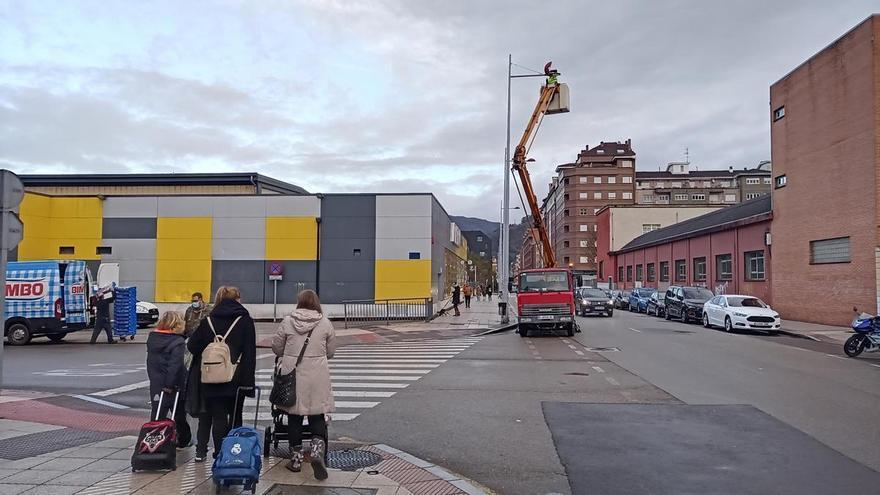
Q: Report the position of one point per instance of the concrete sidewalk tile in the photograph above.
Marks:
(80, 478)
(365, 480)
(335, 479)
(415, 460)
(438, 487)
(117, 443)
(33, 476)
(403, 491)
(467, 487)
(386, 448)
(121, 483)
(120, 453)
(107, 465)
(7, 489)
(442, 473)
(26, 463)
(86, 452)
(281, 474)
(66, 464)
(61, 453)
(52, 490)
(7, 472)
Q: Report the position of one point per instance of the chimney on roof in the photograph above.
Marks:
(628, 142)
(731, 169)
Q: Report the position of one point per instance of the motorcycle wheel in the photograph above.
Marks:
(854, 345)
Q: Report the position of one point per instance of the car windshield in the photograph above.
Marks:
(643, 292)
(698, 294)
(544, 282)
(745, 302)
(593, 293)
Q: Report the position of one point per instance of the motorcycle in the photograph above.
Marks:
(867, 337)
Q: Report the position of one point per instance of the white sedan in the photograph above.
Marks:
(733, 312)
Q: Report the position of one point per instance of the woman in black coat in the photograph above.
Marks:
(218, 399)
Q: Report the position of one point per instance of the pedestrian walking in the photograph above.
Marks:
(166, 372)
(468, 292)
(102, 315)
(308, 335)
(217, 408)
(489, 292)
(196, 312)
(456, 298)
(478, 292)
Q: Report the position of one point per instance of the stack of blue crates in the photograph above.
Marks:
(125, 312)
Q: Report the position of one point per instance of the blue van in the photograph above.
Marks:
(46, 298)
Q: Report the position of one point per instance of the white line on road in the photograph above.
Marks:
(415, 366)
(264, 356)
(572, 347)
(566, 341)
(99, 401)
(356, 404)
(373, 377)
(579, 353)
(370, 385)
(124, 388)
(382, 371)
(875, 365)
(600, 370)
(361, 393)
(634, 330)
(387, 361)
(837, 357)
(612, 381)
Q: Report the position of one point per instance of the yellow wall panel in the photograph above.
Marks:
(397, 279)
(54, 222)
(182, 291)
(183, 249)
(291, 238)
(35, 205)
(184, 228)
(183, 257)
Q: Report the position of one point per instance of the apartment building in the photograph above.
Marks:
(681, 184)
(601, 175)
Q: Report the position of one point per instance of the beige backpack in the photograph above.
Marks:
(217, 365)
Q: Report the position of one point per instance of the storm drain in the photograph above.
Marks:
(352, 460)
(603, 349)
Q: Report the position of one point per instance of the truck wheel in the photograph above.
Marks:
(18, 334)
(57, 337)
(570, 331)
(522, 331)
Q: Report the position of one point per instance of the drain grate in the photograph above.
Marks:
(352, 460)
(603, 349)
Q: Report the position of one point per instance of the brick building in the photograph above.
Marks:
(601, 175)
(825, 145)
(531, 255)
(680, 185)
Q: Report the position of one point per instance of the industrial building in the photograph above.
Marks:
(173, 242)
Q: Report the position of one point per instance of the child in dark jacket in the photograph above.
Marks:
(166, 371)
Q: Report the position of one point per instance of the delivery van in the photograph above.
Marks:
(46, 298)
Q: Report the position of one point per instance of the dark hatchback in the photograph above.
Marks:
(620, 298)
(686, 302)
(593, 301)
(657, 304)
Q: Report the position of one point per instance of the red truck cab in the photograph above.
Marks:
(545, 301)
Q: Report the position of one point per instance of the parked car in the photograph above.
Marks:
(686, 302)
(656, 304)
(147, 314)
(638, 299)
(733, 312)
(593, 301)
(621, 299)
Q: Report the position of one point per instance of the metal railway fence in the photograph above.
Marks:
(387, 310)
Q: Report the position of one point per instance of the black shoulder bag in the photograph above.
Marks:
(284, 386)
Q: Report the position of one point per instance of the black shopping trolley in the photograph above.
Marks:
(277, 432)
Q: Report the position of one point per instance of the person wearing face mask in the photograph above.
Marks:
(195, 313)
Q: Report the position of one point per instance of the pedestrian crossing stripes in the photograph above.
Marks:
(363, 375)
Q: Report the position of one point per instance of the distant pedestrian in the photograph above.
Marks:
(468, 292)
(217, 407)
(456, 298)
(478, 292)
(489, 292)
(102, 315)
(166, 371)
(309, 333)
(196, 312)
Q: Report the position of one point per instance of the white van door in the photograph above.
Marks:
(108, 274)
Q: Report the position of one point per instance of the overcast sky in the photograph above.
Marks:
(396, 96)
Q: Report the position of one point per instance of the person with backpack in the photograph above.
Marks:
(305, 340)
(456, 298)
(225, 347)
(165, 369)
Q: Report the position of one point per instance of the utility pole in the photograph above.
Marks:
(504, 269)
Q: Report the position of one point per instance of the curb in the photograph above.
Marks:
(457, 481)
(799, 335)
(491, 331)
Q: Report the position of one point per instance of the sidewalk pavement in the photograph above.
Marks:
(482, 314)
(813, 331)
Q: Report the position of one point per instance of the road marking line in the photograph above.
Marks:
(600, 370)
(875, 365)
(264, 356)
(838, 357)
(101, 402)
(361, 393)
(612, 381)
(382, 371)
(634, 330)
(402, 355)
(579, 353)
(389, 365)
(388, 361)
(119, 390)
(356, 404)
(343, 416)
(566, 341)
(373, 377)
(370, 385)
(572, 347)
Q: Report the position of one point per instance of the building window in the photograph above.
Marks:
(700, 269)
(651, 273)
(754, 262)
(639, 273)
(582, 179)
(565, 244)
(730, 198)
(629, 273)
(647, 198)
(698, 197)
(627, 195)
(753, 195)
(103, 250)
(565, 213)
(585, 244)
(583, 195)
(565, 228)
(778, 113)
(566, 260)
(626, 179)
(565, 197)
(601, 270)
(612, 180)
(680, 271)
(482, 254)
(597, 180)
(356, 253)
(620, 274)
(780, 181)
(681, 197)
(565, 181)
(767, 180)
(714, 198)
(648, 227)
(584, 227)
(479, 238)
(597, 195)
(583, 211)
(626, 163)
(415, 255)
(584, 259)
(664, 271)
(830, 251)
(753, 180)
(663, 198)
(612, 195)
(724, 267)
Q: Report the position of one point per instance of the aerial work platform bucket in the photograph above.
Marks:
(560, 101)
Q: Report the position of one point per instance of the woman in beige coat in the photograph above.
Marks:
(314, 395)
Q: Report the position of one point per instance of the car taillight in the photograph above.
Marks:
(59, 308)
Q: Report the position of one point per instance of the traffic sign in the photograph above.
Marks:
(13, 230)
(12, 191)
(275, 268)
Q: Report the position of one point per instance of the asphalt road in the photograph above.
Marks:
(810, 386)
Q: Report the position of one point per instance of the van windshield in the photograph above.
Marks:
(544, 282)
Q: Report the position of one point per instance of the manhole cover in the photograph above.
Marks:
(352, 460)
(603, 349)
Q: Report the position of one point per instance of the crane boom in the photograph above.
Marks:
(548, 91)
